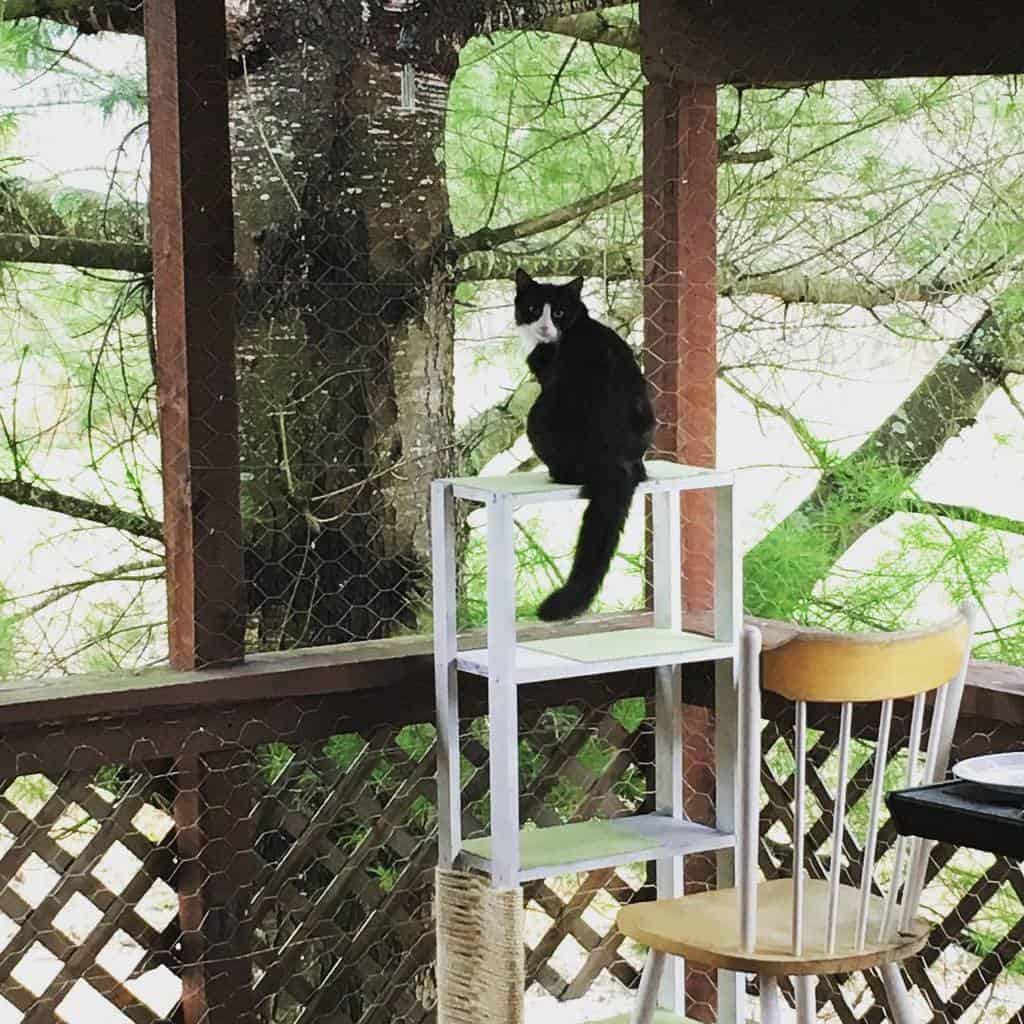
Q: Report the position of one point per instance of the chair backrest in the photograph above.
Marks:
(850, 669)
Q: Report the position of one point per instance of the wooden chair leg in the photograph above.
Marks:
(771, 999)
(901, 1009)
(806, 1006)
(647, 995)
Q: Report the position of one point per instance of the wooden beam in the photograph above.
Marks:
(680, 301)
(83, 722)
(191, 221)
(698, 330)
(680, 311)
(756, 41)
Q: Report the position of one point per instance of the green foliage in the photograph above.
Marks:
(344, 748)
(885, 180)
(8, 635)
(538, 572)
(22, 44)
(120, 637)
(123, 90)
(535, 122)
(780, 576)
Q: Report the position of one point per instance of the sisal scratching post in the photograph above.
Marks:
(481, 972)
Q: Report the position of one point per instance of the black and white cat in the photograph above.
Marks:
(591, 424)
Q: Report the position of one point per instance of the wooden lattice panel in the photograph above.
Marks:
(88, 909)
(342, 901)
(302, 869)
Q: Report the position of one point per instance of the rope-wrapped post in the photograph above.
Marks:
(481, 969)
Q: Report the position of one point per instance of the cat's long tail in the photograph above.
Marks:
(603, 520)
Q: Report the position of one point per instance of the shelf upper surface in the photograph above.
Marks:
(619, 650)
(528, 488)
(583, 846)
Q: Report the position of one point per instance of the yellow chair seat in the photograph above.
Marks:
(704, 928)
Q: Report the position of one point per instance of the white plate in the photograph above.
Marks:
(997, 771)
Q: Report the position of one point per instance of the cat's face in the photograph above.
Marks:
(544, 312)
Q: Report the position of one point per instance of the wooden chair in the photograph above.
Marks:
(803, 927)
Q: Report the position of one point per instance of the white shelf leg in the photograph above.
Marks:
(728, 569)
(668, 719)
(446, 686)
(502, 704)
(728, 623)
(731, 994)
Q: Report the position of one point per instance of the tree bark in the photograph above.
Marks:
(24, 493)
(624, 265)
(347, 307)
(347, 339)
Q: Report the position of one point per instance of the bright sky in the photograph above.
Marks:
(61, 134)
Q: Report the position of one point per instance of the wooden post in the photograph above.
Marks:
(216, 871)
(193, 271)
(680, 354)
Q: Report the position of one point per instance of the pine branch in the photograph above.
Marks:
(964, 514)
(491, 265)
(814, 448)
(27, 207)
(831, 289)
(71, 227)
(595, 27)
(23, 493)
(625, 265)
(96, 254)
(496, 429)
(862, 490)
(490, 238)
(87, 17)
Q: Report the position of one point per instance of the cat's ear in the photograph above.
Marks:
(575, 286)
(523, 280)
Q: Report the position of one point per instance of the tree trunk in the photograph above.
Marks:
(346, 344)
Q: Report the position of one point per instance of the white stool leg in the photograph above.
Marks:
(771, 999)
(647, 996)
(806, 1007)
(901, 1010)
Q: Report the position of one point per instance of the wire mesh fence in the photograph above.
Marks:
(389, 176)
(384, 193)
(273, 862)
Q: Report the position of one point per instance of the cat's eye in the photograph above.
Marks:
(533, 311)
(558, 314)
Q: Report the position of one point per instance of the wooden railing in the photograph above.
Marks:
(255, 843)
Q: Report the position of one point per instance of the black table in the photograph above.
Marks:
(961, 813)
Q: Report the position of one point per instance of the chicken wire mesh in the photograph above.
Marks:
(385, 189)
(377, 348)
(289, 879)
(276, 865)
(368, 221)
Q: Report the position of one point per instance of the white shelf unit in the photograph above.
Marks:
(510, 855)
